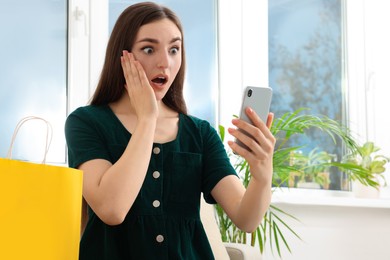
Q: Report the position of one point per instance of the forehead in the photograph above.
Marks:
(159, 29)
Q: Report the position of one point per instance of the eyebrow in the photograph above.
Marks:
(156, 41)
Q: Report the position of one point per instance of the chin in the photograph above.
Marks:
(160, 95)
(160, 92)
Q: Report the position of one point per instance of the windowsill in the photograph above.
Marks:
(308, 197)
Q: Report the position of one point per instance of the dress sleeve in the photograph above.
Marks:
(216, 163)
(83, 139)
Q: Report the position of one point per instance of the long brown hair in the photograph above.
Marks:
(111, 84)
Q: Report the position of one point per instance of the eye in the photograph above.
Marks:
(174, 50)
(148, 50)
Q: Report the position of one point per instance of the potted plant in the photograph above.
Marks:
(313, 169)
(289, 124)
(367, 159)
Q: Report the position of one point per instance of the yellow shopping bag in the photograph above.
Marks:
(40, 211)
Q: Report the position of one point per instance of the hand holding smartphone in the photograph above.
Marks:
(259, 99)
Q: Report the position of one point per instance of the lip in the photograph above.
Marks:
(159, 85)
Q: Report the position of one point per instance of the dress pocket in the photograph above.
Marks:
(186, 177)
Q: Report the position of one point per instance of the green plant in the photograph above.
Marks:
(367, 159)
(313, 167)
(273, 226)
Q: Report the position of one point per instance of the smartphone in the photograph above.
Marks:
(259, 99)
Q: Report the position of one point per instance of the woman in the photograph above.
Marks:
(146, 162)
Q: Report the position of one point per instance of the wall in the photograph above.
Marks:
(336, 226)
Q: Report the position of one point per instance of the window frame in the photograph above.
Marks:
(240, 39)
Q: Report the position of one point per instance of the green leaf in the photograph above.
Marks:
(276, 238)
(284, 240)
(222, 132)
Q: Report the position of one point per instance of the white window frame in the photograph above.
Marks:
(88, 35)
(242, 52)
(368, 61)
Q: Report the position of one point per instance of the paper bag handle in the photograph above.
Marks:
(49, 135)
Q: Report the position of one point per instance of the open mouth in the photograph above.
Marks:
(160, 80)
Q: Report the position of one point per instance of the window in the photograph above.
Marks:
(305, 67)
(40, 69)
(33, 65)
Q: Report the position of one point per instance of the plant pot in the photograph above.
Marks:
(363, 191)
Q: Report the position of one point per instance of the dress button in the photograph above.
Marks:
(156, 203)
(156, 150)
(160, 238)
(156, 174)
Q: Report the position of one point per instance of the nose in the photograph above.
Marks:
(163, 60)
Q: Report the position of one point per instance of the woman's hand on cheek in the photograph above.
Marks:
(261, 144)
(140, 92)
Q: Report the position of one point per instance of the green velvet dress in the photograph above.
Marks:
(164, 221)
